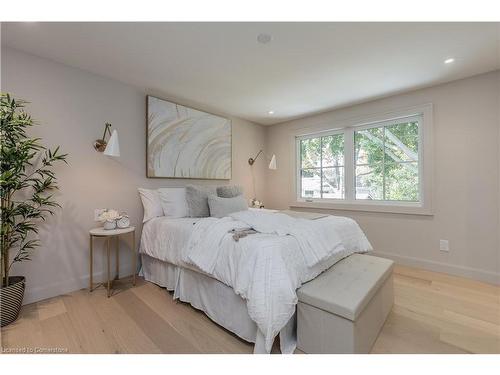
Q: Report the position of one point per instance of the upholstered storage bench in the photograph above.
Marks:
(344, 308)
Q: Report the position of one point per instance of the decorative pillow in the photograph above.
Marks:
(197, 200)
(221, 207)
(229, 191)
(173, 202)
(151, 203)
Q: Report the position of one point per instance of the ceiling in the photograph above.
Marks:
(306, 67)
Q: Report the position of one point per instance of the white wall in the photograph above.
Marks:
(71, 106)
(465, 181)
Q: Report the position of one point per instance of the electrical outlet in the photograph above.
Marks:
(444, 245)
(98, 212)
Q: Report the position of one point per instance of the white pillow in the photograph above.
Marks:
(151, 203)
(173, 202)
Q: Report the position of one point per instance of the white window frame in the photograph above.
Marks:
(424, 114)
(299, 169)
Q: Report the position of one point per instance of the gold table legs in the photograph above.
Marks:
(134, 259)
(109, 282)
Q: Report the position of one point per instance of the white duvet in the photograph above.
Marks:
(267, 268)
(166, 238)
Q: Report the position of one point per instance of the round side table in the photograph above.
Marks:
(109, 235)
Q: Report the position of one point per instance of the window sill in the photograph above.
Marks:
(408, 209)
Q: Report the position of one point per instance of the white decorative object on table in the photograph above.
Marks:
(256, 203)
(123, 221)
(109, 224)
(109, 217)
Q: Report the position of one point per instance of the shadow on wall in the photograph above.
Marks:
(64, 252)
(62, 236)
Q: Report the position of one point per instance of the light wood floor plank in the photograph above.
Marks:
(89, 329)
(58, 332)
(404, 335)
(129, 337)
(191, 323)
(432, 313)
(447, 279)
(25, 332)
(51, 307)
(165, 337)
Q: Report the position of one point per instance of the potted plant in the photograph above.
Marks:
(26, 179)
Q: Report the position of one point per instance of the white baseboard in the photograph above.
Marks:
(452, 269)
(35, 294)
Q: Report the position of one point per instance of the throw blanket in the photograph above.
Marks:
(266, 268)
(315, 243)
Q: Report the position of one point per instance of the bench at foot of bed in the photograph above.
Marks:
(344, 309)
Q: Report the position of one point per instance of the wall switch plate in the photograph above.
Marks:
(444, 245)
(98, 212)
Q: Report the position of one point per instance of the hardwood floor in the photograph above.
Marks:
(432, 313)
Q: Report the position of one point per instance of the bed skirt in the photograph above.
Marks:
(215, 299)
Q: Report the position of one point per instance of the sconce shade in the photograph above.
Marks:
(113, 147)
(272, 163)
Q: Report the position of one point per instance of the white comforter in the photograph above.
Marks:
(166, 238)
(267, 268)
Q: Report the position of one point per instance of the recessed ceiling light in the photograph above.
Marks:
(449, 61)
(264, 38)
(271, 112)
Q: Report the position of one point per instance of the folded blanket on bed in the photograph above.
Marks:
(316, 244)
(304, 215)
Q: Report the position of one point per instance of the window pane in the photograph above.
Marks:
(333, 150)
(333, 183)
(310, 153)
(401, 181)
(385, 165)
(310, 183)
(369, 146)
(370, 182)
(401, 142)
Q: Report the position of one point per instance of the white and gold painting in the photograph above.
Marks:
(183, 142)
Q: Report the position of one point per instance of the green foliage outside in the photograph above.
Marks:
(386, 162)
(323, 161)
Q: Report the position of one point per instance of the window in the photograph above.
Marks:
(322, 167)
(386, 162)
(379, 164)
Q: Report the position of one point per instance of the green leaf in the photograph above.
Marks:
(27, 169)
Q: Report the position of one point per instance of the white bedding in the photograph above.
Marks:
(266, 269)
(165, 238)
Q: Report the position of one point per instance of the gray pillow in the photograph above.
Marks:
(229, 191)
(221, 207)
(197, 200)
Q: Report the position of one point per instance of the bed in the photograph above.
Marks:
(166, 261)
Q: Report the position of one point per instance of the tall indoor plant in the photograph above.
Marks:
(26, 179)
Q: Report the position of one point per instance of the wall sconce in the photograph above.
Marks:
(110, 148)
(272, 163)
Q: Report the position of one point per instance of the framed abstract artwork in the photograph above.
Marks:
(183, 142)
